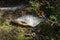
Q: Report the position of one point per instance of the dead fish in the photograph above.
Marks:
(29, 20)
(12, 8)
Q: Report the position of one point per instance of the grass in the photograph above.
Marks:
(12, 32)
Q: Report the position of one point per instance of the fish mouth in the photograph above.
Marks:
(23, 22)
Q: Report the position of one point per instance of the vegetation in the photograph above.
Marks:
(46, 31)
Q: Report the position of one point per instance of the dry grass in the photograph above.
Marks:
(12, 32)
